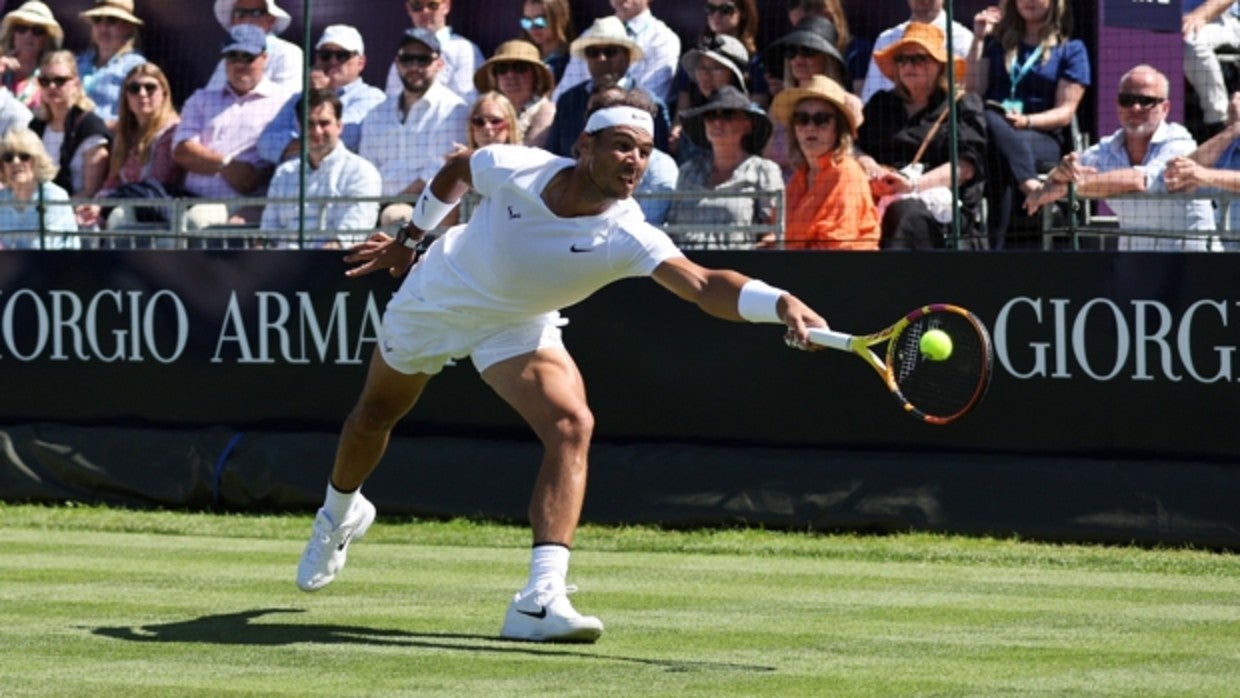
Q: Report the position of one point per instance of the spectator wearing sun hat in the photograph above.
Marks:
(112, 54)
(608, 52)
(730, 132)
(655, 69)
(716, 61)
(517, 71)
(27, 34)
(829, 203)
(284, 58)
(340, 57)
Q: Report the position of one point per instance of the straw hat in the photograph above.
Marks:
(34, 13)
(120, 9)
(812, 32)
(728, 97)
(818, 87)
(516, 51)
(926, 36)
(224, 8)
(606, 31)
(727, 50)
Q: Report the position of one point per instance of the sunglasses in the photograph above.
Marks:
(340, 55)
(251, 13)
(725, 10)
(107, 20)
(409, 59)
(608, 52)
(802, 52)
(515, 67)
(16, 157)
(419, 6)
(29, 28)
(912, 58)
(724, 114)
(137, 88)
(1146, 101)
(819, 119)
(57, 82)
(481, 121)
(539, 22)
(240, 57)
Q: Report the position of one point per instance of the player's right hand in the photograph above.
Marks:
(379, 251)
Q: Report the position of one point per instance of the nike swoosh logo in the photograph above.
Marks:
(542, 613)
(345, 542)
(576, 248)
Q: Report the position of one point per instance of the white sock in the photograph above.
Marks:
(548, 566)
(337, 503)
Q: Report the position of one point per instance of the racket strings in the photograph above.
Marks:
(948, 387)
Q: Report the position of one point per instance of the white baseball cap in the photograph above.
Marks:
(344, 36)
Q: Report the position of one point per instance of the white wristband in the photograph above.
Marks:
(759, 302)
(429, 211)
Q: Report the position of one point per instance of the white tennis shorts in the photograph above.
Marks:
(418, 338)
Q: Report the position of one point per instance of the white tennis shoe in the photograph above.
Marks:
(545, 615)
(328, 547)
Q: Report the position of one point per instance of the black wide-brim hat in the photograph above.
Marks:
(812, 32)
(727, 97)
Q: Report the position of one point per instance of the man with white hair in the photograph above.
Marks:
(549, 232)
(284, 58)
(339, 57)
(1131, 161)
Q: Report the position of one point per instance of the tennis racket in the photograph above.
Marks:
(936, 391)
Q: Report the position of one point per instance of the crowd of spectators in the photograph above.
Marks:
(849, 133)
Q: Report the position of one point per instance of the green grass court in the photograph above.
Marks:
(105, 602)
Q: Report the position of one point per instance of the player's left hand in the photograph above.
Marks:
(379, 251)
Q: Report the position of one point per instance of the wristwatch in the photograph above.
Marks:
(409, 235)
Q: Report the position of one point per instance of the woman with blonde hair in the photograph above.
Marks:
(548, 24)
(112, 54)
(492, 119)
(30, 203)
(828, 197)
(517, 71)
(71, 131)
(142, 154)
(906, 140)
(27, 34)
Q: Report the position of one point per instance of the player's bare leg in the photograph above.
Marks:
(346, 515)
(546, 389)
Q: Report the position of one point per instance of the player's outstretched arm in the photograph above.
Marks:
(382, 251)
(731, 295)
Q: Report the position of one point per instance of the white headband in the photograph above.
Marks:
(639, 119)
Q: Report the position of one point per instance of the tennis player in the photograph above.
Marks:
(549, 232)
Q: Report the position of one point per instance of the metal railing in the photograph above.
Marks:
(1081, 222)
(176, 233)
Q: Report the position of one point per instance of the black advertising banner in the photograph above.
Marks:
(1097, 354)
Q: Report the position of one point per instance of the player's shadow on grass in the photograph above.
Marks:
(237, 629)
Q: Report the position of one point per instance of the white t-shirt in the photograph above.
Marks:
(515, 259)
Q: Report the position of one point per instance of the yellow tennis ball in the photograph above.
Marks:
(936, 345)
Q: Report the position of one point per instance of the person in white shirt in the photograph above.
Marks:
(408, 136)
(461, 57)
(1211, 25)
(550, 231)
(332, 170)
(655, 71)
(284, 58)
(926, 12)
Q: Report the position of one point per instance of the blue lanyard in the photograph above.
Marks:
(1018, 75)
